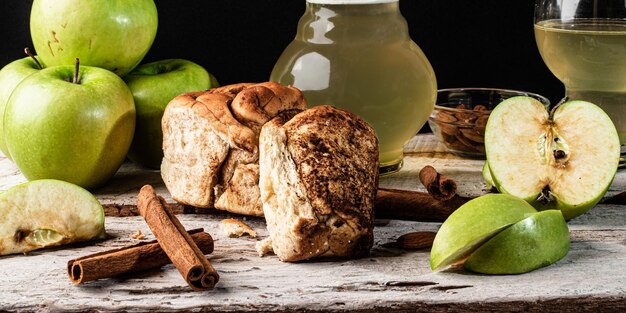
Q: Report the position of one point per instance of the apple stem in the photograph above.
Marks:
(32, 56)
(76, 68)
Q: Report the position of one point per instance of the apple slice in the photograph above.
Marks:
(565, 159)
(45, 213)
(473, 224)
(534, 242)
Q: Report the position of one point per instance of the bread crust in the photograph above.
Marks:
(331, 183)
(211, 143)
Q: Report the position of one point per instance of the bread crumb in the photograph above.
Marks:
(264, 247)
(138, 235)
(236, 228)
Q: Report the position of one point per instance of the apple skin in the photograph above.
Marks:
(10, 76)
(474, 223)
(111, 34)
(153, 86)
(79, 133)
(534, 242)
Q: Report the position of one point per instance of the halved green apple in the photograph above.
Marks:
(47, 212)
(500, 234)
(565, 159)
(487, 176)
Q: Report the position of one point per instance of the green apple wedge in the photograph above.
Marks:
(70, 125)
(474, 223)
(565, 159)
(10, 76)
(44, 213)
(111, 34)
(153, 86)
(537, 241)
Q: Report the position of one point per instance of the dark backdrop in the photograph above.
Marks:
(470, 43)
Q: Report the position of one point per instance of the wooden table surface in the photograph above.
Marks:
(592, 277)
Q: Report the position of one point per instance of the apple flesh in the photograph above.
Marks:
(153, 86)
(110, 34)
(10, 76)
(537, 241)
(76, 132)
(45, 213)
(500, 234)
(565, 159)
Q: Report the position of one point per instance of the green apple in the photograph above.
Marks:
(153, 86)
(534, 242)
(500, 234)
(11, 75)
(474, 223)
(111, 34)
(565, 159)
(45, 213)
(77, 131)
(487, 176)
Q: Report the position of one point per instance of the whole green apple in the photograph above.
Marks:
(563, 159)
(76, 130)
(153, 86)
(10, 76)
(111, 34)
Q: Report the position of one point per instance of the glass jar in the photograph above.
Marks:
(357, 55)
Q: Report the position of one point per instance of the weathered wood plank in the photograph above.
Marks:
(592, 277)
(593, 269)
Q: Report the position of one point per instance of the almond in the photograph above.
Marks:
(416, 240)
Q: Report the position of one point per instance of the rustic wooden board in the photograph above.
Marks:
(592, 277)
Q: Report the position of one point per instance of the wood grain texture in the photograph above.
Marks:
(592, 277)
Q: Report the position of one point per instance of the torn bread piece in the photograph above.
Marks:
(319, 174)
(210, 144)
(264, 247)
(235, 228)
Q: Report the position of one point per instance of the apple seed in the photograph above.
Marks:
(20, 235)
(559, 154)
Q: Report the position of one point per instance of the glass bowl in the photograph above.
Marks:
(461, 114)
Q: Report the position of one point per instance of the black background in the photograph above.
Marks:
(470, 43)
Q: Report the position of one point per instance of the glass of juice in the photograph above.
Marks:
(357, 55)
(583, 43)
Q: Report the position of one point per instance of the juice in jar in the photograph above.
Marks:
(359, 57)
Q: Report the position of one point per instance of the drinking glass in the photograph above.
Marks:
(583, 43)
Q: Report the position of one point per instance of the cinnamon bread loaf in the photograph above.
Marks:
(210, 144)
(319, 174)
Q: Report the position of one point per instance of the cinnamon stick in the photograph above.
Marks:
(414, 205)
(439, 186)
(131, 259)
(175, 241)
(434, 206)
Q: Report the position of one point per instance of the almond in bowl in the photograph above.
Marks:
(460, 116)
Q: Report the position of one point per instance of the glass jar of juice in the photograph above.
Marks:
(357, 55)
